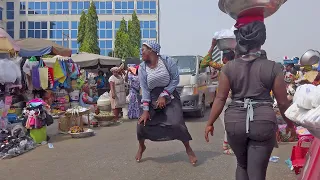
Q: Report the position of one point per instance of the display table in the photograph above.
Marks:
(311, 169)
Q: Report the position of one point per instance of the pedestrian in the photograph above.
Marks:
(117, 92)
(162, 117)
(134, 93)
(250, 120)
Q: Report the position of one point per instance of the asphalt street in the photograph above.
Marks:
(110, 156)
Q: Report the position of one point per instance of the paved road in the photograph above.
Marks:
(110, 156)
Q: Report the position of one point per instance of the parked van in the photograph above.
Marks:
(193, 86)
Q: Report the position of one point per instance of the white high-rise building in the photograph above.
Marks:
(58, 20)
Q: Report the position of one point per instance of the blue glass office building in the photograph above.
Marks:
(58, 20)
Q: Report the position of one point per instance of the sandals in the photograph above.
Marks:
(228, 152)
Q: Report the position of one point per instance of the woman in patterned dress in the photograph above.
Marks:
(134, 92)
(117, 92)
(162, 117)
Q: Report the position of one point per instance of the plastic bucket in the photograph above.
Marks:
(74, 95)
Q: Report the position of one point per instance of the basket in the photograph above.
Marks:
(81, 134)
(104, 118)
(105, 108)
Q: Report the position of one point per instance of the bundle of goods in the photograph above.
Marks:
(305, 109)
(14, 142)
(62, 100)
(104, 103)
(79, 132)
(9, 71)
(36, 118)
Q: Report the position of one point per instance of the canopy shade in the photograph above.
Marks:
(7, 44)
(86, 60)
(39, 47)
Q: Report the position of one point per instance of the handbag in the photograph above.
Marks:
(43, 74)
(299, 153)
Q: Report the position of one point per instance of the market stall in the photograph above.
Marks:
(39, 47)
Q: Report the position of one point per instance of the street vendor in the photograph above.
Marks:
(250, 120)
(85, 100)
(316, 81)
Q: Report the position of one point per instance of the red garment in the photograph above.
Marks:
(241, 21)
(50, 74)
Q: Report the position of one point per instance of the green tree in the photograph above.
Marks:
(134, 32)
(122, 45)
(110, 53)
(90, 41)
(81, 28)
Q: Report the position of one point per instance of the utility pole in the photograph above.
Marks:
(63, 35)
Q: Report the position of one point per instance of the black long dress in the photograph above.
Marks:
(166, 124)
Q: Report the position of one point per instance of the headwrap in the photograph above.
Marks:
(153, 45)
(244, 20)
(250, 36)
(114, 69)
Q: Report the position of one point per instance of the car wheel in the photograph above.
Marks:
(202, 110)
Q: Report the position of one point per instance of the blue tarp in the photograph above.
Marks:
(40, 52)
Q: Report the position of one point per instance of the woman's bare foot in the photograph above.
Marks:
(192, 157)
(140, 152)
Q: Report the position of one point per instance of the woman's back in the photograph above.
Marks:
(251, 79)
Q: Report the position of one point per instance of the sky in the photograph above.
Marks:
(187, 27)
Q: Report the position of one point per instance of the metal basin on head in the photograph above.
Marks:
(238, 8)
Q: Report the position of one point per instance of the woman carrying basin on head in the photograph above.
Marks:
(162, 118)
(250, 120)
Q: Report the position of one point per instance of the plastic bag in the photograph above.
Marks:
(294, 111)
(9, 71)
(302, 96)
(316, 97)
(312, 118)
(104, 99)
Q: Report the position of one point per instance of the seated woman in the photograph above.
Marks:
(85, 100)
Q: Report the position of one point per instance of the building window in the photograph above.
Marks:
(10, 10)
(74, 29)
(74, 46)
(22, 7)
(103, 7)
(148, 29)
(78, 7)
(37, 29)
(23, 33)
(59, 30)
(59, 7)
(124, 7)
(37, 8)
(1, 10)
(146, 7)
(10, 28)
(105, 29)
(105, 47)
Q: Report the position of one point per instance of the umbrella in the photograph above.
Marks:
(7, 44)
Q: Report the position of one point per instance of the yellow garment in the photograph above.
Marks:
(58, 72)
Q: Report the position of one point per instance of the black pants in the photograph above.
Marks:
(252, 150)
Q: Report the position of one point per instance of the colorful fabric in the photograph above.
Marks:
(153, 45)
(101, 81)
(134, 103)
(208, 62)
